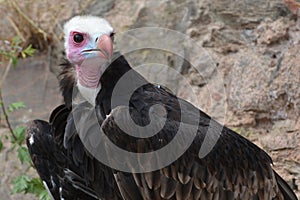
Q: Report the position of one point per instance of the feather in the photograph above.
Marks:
(285, 189)
(67, 81)
(168, 187)
(184, 191)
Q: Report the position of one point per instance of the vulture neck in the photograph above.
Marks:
(88, 78)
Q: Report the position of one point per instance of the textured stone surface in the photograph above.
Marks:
(246, 13)
(32, 83)
(279, 141)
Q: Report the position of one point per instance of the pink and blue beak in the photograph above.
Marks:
(99, 46)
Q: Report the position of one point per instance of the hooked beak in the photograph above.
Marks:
(104, 47)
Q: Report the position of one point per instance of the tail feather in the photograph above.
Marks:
(285, 189)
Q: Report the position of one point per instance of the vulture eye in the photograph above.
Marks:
(78, 38)
(112, 34)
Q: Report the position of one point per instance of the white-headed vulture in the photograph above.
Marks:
(233, 168)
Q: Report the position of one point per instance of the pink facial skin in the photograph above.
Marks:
(74, 51)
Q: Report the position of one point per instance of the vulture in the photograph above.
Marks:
(127, 138)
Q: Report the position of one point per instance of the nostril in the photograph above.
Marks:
(96, 39)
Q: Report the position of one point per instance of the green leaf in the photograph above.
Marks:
(20, 183)
(26, 184)
(14, 61)
(23, 155)
(16, 41)
(19, 132)
(35, 186)
(23, 54)
(29, 51)
(16, 106)
(1, 144)
(44, 195)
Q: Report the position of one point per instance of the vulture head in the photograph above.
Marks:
(89, 47)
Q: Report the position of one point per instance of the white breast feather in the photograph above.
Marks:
(89, 94)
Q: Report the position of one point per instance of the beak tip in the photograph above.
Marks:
(106, 46)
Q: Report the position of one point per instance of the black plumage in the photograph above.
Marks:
(68, 170)
(235, 168)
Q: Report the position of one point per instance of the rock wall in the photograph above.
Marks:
(253, 43)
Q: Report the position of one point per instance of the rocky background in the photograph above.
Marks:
(253, 49)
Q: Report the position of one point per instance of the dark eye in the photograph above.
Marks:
(112, 34)
(78, 38)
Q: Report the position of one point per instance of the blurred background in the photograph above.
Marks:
(254, 45)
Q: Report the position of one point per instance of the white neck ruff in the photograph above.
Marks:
(89, 94)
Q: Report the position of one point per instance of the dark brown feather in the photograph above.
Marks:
(67, 82)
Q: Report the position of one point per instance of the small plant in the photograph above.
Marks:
(10, 51)
(27, 184)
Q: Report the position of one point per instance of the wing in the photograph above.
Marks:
(89, 128)
(48, 158)
(63, 163)
(232, 168)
